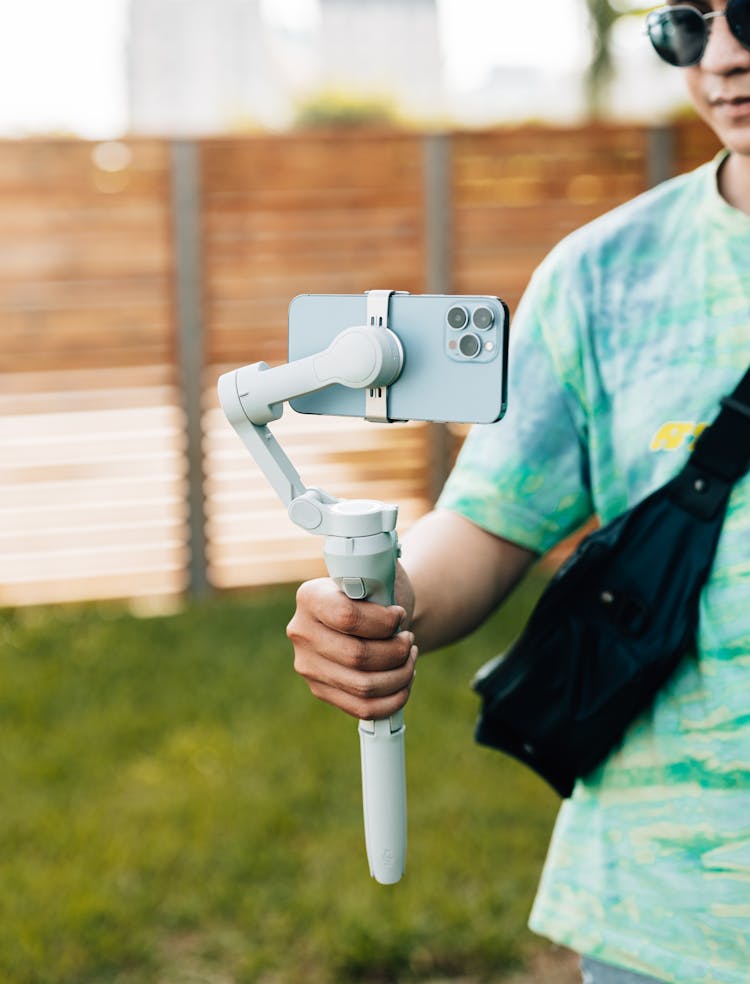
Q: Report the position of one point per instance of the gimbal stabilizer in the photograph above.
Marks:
(361, 545)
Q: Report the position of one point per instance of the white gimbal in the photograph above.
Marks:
(361, 545)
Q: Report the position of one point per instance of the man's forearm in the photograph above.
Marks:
(459, 574)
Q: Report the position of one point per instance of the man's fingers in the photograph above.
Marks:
(368, 655)
(364, 708)
(359, 682)
(351, 653)
(324, 601)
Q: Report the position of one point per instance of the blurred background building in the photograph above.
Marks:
(384, 47)
(108, 68)
(198, 68)
(195, 67)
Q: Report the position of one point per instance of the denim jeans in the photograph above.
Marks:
(593, 972)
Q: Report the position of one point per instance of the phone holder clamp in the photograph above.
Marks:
(376, 398)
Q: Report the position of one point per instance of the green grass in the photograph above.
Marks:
(175, 807)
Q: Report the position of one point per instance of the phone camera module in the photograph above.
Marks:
(458, 317)
(483, 318)
(470, 346)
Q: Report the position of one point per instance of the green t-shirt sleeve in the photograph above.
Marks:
(525, 478)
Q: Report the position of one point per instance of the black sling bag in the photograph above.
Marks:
(616, 618)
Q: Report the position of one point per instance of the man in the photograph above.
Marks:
(628, 335)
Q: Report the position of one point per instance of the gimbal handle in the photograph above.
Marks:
(365, 568)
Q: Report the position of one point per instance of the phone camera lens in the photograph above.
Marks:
(470, 346)
(483, 318)
(458, 317)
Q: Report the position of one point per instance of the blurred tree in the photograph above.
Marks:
(603, 15)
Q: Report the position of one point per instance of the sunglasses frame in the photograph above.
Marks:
(656, 17)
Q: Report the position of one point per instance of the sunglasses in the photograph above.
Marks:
(679, 34)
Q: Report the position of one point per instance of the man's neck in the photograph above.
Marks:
(734, 181)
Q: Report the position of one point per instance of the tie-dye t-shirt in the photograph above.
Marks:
(628, 335)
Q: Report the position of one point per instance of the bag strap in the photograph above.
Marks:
(723, 449)
(721, 455)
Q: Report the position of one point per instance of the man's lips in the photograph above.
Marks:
(739, 100)
(733, 109)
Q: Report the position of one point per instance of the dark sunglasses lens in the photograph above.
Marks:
(678, 35)
(738, 19)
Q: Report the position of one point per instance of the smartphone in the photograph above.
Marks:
(455, 355)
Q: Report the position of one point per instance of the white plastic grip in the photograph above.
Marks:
(384, 796)
(364, 567)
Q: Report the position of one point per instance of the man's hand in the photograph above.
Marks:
(360, 656)
(355, 655)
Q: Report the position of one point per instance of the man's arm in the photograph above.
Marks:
(459, 574)
(360, 657)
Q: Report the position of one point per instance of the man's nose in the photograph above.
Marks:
(724, 54)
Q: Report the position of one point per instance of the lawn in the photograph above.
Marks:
(176, 808)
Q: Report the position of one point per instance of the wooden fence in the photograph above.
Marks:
(132, 274)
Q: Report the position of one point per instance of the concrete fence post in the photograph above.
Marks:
(660, 154)
(438, 213)
(438, 273)
(186, 228)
